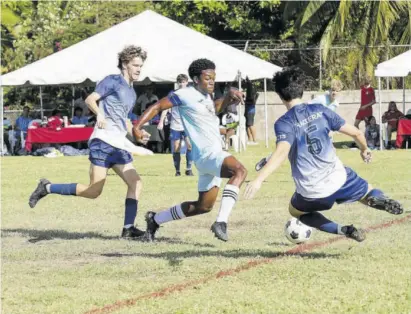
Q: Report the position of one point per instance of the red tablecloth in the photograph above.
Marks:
(65, 135)
(404, 128)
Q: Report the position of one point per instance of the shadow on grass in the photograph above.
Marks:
(343, 145)
(175, 258)
(279, 243)
(47, 235)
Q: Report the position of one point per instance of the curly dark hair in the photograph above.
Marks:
(289, 83)
(129, 53)
(181, 78)
(199, 65)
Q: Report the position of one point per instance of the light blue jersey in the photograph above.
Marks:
(201, 125)
(316, 169)
(198, 116)
(116, 103)
(326, 101)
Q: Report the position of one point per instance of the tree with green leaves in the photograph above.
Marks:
(363, 24)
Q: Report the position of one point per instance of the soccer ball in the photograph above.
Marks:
(296, 232)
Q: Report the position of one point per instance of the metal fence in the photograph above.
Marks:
(343, 60)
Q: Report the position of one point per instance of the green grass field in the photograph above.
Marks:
(65, 256)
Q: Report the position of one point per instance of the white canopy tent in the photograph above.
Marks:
(399, 66)
(171, 48)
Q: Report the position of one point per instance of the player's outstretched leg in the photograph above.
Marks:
(203, 205)
(235, 171)
(131, 178)
(93, 190)
(316, 220)
(375, 198)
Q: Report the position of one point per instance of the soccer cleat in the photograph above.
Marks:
(384, 203)
(152, 226)
(38, 193)
(353, 233)
(259, 165)
(220, 230)
(178, 173)
(189, 173)
(132, 233)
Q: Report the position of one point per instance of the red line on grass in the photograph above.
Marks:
(251, 264)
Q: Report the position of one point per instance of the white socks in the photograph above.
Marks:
(173, 213)
(230, 196)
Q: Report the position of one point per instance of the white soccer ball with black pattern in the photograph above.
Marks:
(296, 232)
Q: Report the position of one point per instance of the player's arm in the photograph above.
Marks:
(150, 113)
(91, 102)
(359, 138)
(233, 96)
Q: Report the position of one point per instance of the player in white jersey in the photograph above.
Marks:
(320, 177)
(177, 133)
(198, 115)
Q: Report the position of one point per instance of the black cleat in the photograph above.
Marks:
(189, 173)
(353, 233)
(152, 226)
(39, 192)
(383, 203)
(220, 230)
(178, 173)
(259, 165)
(132, 233)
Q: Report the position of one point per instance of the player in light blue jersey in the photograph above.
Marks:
(320, 177)
(198, 115)
(112, 101)
(177, 134)
(329, 98)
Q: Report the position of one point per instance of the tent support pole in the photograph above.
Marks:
(2, 119)
(41, 103)
(403, 95)
(72, 101)
(265, 113)
(380, 119)
(239, 114)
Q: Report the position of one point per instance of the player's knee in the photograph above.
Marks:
(240, 171)
(95, 191)
(204, 207)
(135, 184)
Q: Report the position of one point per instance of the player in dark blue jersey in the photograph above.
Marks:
(320, 177)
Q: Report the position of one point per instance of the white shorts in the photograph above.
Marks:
(209, 170)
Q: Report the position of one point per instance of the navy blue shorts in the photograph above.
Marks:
(353, 190)
(105, 155)
(177, 135)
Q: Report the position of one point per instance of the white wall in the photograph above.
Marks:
(349, 105)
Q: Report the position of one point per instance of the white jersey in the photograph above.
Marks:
(176, 123)
(199, 119)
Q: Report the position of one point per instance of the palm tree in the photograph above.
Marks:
(363, 24)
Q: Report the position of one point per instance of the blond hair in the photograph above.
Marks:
(336, 85)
